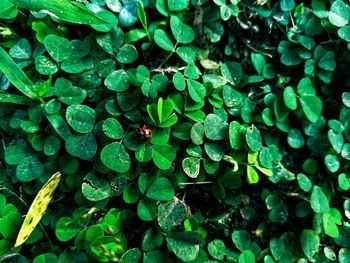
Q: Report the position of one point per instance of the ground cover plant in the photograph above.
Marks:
(174, 131)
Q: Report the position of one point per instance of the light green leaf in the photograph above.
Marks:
(163, 40)
(312, 107)
(319, 201)
(339, 13)
(65, 10)
(183, 33)
(16, 75)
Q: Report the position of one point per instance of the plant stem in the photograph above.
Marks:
(168, 57)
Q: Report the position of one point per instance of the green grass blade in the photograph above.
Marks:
(13, 98)
(65, 10)
(16, 75)
(59, 124)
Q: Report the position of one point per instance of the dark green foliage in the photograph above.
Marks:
(247, 108)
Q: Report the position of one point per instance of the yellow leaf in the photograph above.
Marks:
(37, 209)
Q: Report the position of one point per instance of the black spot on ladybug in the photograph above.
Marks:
(144, 133)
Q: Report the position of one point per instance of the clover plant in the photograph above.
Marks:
(246, 108)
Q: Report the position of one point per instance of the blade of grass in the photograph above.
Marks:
(16, 75)
(65, 10)
(13, 98)
(59, 124)
(143, 18)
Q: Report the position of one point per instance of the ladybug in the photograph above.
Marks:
(144, 133)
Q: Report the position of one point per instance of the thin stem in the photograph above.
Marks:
(169, 56)
(14, 194)
(298, 196)
(194, 183)
(254, 49)
(291, 18)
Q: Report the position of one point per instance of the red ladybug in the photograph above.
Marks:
(144, 132)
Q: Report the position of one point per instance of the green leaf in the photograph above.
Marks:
(177, 5)
(232, 71)
(197, 133)
(343, 182)
(183, 33)
(253, 138)
(58, 47)
(81, 118)
(345, 152)
(15, 99)
(164, 109)
(246, 257)
(28, 169)
(241, 239)
(127, 54)
(66, 229)
(191, 166)
(16, 75)
(52, 145)
(152, 239)
(21, 50)
(134, 35)
(59, 124)
(215, 127)
(163, 40)
(295, 138)
(65, 10)
(319, 202)
(252, 157)
(344, 255)
(290, 98)
(336, 140)
(67, 93)
(237, 135)
(115, 157)
(171, 214)
(185, 244)
(45, 66)
(47, 257)
(252, 175)
(117, 81)
(232, 97)
(111, 41)
(332, 162)
(305, 87)
(179, 81)
(196, 89)
(112, 128)
(344, 33)
(131, 193)
(258, 61)
(217, 249)
(330, 222)
(7, 10)
(339, 13)
(214, 150)
(312, 107)
(95, 189)
(163, 156)
(310, 243)
(287, 5)
(14, 154)
(304, 182)
(82, 146)
(327, 61)
(142, 15)
(161, 190)
(147, 209)
(346, 99)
